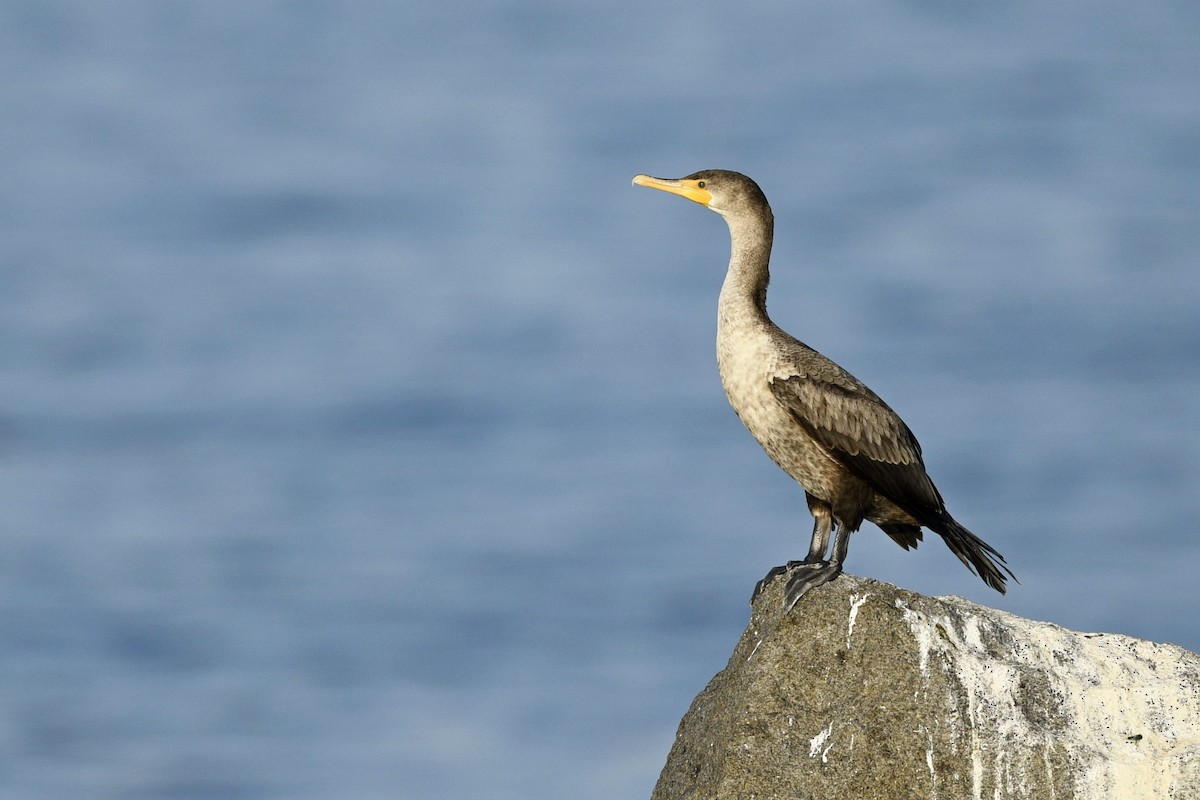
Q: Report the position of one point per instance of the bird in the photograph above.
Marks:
(852, 454)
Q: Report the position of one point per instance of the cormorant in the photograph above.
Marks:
(853, 455)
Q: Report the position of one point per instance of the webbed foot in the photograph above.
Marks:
(784, 569)
(808, 575)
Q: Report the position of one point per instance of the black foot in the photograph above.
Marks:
(772, 575)
(809, 575)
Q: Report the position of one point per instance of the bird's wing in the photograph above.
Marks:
(862, 433)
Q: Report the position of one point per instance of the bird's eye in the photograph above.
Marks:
(700, 184)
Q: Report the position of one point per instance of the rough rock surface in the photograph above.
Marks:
(865, 690)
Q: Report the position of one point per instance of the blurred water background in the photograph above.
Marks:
(361, 434)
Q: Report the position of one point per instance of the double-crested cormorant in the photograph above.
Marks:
(854, 456)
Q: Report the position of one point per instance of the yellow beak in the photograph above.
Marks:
(692, 190)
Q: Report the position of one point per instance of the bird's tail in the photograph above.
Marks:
(978, 556)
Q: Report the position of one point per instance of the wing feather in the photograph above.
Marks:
(862, 433)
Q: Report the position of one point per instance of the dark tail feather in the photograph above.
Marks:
(978, 556)
(907, 536)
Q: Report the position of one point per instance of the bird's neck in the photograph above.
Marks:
(744, 294)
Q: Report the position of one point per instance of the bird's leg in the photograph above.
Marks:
(822, 527)
(815, 571)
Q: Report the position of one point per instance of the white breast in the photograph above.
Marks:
(748, 360)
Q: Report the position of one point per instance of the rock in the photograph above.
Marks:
(865, 690)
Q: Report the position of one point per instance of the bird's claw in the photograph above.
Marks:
(808, 574)
(766, 579)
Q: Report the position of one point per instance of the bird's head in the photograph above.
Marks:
(720, 190)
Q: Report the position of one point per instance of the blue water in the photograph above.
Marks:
(362, 436)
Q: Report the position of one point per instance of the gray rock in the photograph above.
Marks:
(865, 690)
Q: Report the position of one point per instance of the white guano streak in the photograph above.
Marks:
(855, 603)
(814, 744)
